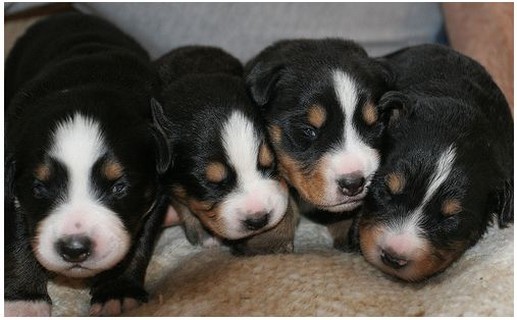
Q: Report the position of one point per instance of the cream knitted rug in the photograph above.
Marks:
(314, 281)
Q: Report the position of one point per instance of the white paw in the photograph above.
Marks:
(211, 242)
(113, 307)
(23, 308)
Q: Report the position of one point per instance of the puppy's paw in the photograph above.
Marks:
(115, 297)
(24, 308)
(113, 307)
(197, 235)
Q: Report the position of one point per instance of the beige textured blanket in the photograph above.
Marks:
(314, 281)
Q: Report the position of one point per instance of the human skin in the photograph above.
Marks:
(484, 31)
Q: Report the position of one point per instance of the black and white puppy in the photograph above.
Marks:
(448, 168)
(83, 158)
(224, 183)
(319, 99)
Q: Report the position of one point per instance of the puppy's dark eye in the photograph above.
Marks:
(310, 133)
(119, 189)
(39, 190)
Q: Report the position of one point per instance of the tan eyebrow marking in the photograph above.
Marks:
(317, 115)
(265, 156)
(215, 172)
(451, 207)
(112, 170)
(395, 182)
(370, 115)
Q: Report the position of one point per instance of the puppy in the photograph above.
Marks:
(448, 167)
(83, 158)
(319, 100)
(224, 183)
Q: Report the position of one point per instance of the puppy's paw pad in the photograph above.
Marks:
(114, 307)
(22, 308)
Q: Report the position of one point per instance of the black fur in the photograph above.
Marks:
(201, 88)
(67, 64)
(446, 99)
(290, 76)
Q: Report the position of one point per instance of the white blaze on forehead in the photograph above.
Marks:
(442, 171)
(241, 144)
(254, 193)
(78, 144)
(352, 154)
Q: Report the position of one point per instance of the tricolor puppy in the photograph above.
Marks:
(83, 158)
(319, 99)
(448, 168)
(224, 182)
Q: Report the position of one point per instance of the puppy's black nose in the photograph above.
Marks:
(392, 260)
(74, 248)
(351, 185)
(258, 221)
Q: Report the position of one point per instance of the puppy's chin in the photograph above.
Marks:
(78, 272)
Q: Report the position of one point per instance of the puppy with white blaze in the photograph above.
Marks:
(224, 184)
(84, 159)
(319, 100)
(447, 168)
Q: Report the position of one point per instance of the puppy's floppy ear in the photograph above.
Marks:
(393, 106)
(504, 207)
(385, 73)
(262, 73)
(162, 131)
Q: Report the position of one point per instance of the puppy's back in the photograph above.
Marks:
(192, 60)
(435, 71)
(59, 37)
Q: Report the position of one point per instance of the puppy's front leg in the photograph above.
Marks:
(122, 288)
(194, 231)
(25, 279)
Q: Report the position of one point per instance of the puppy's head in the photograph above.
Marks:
(225, 170)
(319, 99)
(85, 180)
(431, 200)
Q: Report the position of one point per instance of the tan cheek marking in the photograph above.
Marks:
(215, 172)
(42, 172)
(209, 214)
(432, 260)
(369, 232)
(451, 207)
(316, 116)
(179, 192)
(265, 156)
(311, 185)
(275, 133)
(370, 115)
(395, 182)
(112, 170)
